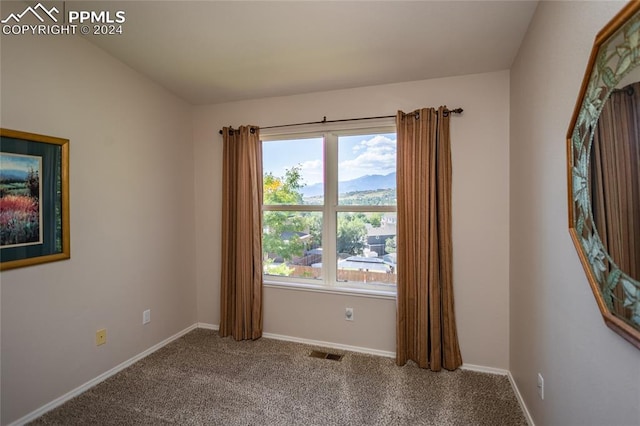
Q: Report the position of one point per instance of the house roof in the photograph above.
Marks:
(364, 263)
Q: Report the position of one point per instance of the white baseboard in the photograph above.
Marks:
(102, 377)
(207, 326)
(332, 345)
(483, 369)
(312, 342)
(525, 410)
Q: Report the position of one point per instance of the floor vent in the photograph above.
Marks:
(325, 355)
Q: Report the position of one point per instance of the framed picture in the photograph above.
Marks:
(34, 199)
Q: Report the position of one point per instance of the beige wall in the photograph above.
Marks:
(132, 231)
(522, 300)
(592, 376)
(480, 213)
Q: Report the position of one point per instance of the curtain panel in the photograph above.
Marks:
(241, 276)
(615, 182)
(426, 327)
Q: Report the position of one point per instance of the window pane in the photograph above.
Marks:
(367, 170)
(292, 244)
(293, 171)
(366, 245)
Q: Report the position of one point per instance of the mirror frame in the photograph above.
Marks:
(615, 52)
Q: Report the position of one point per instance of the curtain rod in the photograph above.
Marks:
(324, 119)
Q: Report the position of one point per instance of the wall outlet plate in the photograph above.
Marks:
(146, 316)
(101, 337)
(348, 314)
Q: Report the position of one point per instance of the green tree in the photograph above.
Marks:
(390, 245)
(352, 233)
(280, 236)
(280, 233)
(33, 183)
(283, 190)
(314, 223)
(375, 220)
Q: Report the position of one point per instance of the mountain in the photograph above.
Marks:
(363, 183)
(367, 183)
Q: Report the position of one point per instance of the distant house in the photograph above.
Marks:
(363, 263)
(360, 263)
(377, 237)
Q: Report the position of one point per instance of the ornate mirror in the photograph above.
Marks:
(603, 148)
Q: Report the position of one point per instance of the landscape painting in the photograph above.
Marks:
(20, 195)
(34, 199)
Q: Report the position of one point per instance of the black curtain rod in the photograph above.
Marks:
(324, 119)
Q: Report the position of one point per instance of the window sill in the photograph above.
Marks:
(358, 292)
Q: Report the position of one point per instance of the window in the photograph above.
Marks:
(329, 209)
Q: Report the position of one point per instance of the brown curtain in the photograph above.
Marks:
(426, 326)
(241, 280)
(615, 182)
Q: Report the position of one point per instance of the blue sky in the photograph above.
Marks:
(357, 156)
(19, 162)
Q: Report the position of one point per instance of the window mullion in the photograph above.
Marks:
(364, 209)
(330, 203)
(292, 207)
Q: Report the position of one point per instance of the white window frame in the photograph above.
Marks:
(330, 208)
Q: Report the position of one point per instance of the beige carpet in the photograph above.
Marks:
(202, 379)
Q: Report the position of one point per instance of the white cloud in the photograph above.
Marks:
(376, 156)
(311, 171)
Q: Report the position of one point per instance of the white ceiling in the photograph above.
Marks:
(210, 52)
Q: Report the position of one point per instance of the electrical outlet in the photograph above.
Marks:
(146, 316)
(101, 337)
(540, 386)
(348, 314)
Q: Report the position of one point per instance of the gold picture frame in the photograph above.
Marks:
(34, 199)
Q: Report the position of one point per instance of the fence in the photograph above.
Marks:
(346, 275)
